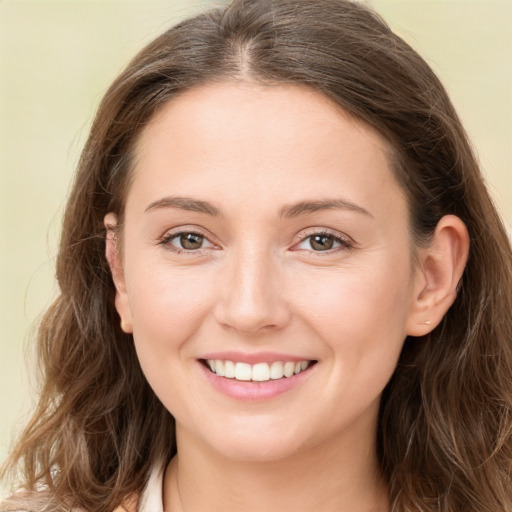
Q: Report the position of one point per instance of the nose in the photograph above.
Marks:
(251, 295)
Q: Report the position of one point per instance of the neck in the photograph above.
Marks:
(337, 476)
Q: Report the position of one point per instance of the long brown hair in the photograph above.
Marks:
(444, 435)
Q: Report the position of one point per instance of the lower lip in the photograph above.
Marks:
(251, 391)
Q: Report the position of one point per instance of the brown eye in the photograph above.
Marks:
(321, 242)
(186, 242)
(324, 242)
(190, 241)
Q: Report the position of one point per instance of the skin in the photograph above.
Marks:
(257, 284)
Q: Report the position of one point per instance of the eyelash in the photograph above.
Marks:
(168, 238)
(344, 243)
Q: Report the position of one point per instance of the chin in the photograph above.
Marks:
(249, 450)
(255, 443)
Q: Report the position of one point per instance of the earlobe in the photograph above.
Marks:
(440, 270)
(115, 263)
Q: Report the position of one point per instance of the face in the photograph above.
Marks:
(266, 270)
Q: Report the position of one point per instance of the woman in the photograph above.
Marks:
(283, 283)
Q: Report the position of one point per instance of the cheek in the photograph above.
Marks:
(355, 299)
(168, 306)
(361, 315)
(168, 309)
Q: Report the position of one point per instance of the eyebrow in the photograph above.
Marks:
(305, 207)
(185, 203)
(290, 211)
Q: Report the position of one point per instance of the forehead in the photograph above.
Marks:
(253, 141)
(295, 111)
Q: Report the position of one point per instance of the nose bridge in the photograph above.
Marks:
(251, 291)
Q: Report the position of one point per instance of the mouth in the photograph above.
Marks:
(259, 372)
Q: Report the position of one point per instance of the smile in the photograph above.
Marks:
(259, 372)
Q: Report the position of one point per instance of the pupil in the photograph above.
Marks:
(322, 242)
(191, 241)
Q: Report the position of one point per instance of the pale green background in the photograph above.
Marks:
(56, 60)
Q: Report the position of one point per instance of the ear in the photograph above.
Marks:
(440, 269)
(113, 255)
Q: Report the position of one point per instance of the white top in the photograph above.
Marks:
(151, 499)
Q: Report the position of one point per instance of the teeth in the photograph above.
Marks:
(259, 372)
(242, 371)
(229, 369)
(276, 370)
(288, 369)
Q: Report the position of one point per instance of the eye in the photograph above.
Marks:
(186, 241)
(324, 242)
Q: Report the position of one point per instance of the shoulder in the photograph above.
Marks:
(24, 501)
(17, 505)
(130, 505)
(150, 500)
(14, 505)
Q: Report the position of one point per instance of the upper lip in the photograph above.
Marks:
(254, 358)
